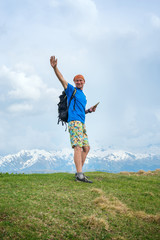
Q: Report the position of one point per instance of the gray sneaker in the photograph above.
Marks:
(83, 174)
(84, 179)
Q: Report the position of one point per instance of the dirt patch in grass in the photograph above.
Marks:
(114, 206)
(148, 194)
(97, 190)
(93, 222)
(119, 238)
(141, 172)
(111, 204)
(147, 217)
(126, 173)
(3, 217)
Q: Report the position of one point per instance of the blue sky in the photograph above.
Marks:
(114, 44)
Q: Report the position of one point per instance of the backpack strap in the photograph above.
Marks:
(73, 94)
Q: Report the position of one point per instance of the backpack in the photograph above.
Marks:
(63, 107)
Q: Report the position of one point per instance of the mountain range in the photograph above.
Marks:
(41, 161)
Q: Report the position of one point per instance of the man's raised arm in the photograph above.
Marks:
(53, 63)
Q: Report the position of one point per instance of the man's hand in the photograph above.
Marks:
(53, 61)
(93, 109)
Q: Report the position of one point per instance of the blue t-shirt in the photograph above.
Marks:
(80, 104)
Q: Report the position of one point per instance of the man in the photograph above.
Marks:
(76, 119)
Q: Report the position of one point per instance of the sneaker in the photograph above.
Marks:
(84, 179)
(83, 174)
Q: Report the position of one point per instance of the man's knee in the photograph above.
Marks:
(86, 149)
(77, 148)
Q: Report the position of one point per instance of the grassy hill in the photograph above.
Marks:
(54, 206)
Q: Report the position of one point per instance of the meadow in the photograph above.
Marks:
(120, 206)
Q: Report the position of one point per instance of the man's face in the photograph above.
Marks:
(79, 83)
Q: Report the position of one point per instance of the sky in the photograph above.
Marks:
(113, 43)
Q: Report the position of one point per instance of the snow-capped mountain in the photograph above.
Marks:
(41, 161)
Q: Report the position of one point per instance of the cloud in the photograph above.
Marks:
(79, 10)
(85, 14)
(79, 17)
(15, 137)
(55, 3)
(24, 91)
(85, 8)
(157, 114)
(155, 20)
(23, 86)
(14, 108)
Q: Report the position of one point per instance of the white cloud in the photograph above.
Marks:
(157, 114)
(21, 67)
(21, 107)
(86, 8)
(87, 15)
(55, 3)
(25, 91)
(79, 9)
(155, 21)
(80, 17)
(23, 86)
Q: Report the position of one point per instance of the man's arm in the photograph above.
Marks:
(53, 63)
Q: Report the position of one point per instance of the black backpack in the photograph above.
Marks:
(63, 107)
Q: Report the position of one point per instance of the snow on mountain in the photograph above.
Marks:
(34, 161)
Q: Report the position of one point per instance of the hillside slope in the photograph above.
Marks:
(54, 206)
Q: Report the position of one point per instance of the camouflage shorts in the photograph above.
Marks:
(78, 134)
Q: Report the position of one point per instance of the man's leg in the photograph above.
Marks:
(76, 137)
(85, 153)
(78, 158)
(78, 155)
(85, 145)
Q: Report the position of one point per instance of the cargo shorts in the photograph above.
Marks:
(78, 134)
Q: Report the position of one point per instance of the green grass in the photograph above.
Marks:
(54, 206)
